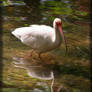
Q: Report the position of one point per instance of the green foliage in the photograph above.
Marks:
(57, 8)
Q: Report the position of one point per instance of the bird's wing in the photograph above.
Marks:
(33, 30)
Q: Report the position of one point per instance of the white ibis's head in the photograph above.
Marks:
(57, 24)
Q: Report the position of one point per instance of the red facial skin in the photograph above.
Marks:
(58, 23)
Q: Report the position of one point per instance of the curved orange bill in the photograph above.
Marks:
(62, 34)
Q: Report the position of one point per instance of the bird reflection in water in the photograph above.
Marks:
(35, 68)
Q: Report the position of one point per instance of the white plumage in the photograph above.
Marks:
(41, 38)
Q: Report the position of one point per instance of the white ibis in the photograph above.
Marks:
(41, 38)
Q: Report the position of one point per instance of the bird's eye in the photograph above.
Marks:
(58, 23)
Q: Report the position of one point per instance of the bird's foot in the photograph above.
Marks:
(29, 55)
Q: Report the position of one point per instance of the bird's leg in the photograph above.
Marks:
(40, 56)
(30, 54)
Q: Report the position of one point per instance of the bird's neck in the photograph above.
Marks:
(57, 36)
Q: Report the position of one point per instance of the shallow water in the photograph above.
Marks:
(71, 70)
